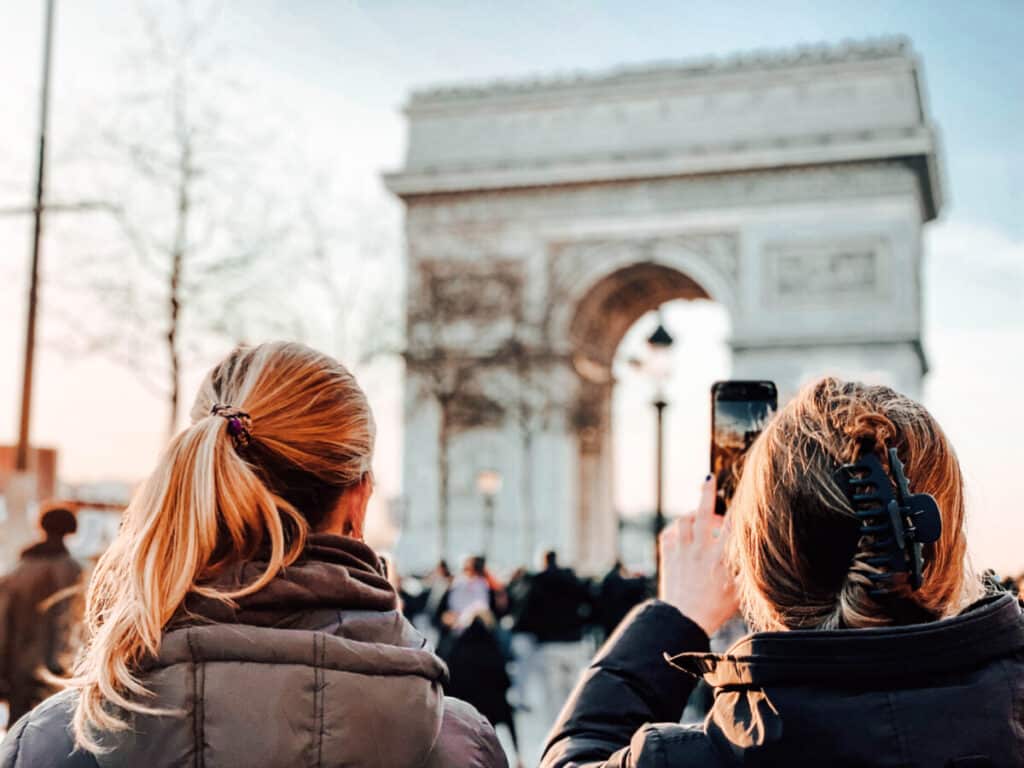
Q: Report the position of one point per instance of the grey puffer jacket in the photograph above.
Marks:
(318, 669)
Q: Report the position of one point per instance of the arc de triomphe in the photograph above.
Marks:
(544, 217)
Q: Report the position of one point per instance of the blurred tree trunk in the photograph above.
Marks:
(178, 251)
(443, 465)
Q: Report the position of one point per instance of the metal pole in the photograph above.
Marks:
(21, 457)
(659, 509)
(488, 524)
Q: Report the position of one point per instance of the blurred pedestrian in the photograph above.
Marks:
(618, 594)
(553, 614)
(499, 595)
(35, 628)
(436, 584)
(238, 618)
(517, 589)
(521, 645)
(477, 665)
(469, 593)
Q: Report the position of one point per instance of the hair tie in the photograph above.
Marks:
(239, 423)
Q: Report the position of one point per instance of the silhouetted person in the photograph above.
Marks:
(517, 589)
(34, 633)
(476, 665)
(553, 614)
(618, 594)
(554, 604)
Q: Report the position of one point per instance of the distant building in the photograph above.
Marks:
(24, 494)
(545, 216)
(42, 464)
(99, 506)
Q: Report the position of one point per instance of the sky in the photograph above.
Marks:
(327, 80)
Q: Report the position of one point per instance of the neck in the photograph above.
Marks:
(48, 546)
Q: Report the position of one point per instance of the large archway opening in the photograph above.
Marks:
(698, 357)
(615, 418)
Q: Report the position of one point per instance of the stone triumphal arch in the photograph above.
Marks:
(544, 217)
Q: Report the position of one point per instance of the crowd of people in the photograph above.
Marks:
(505, 641)
(240, 619)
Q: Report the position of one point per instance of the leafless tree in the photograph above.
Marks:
(529, 357)
(485, 357)
(458, 325)
(197, 254)
(347, 253)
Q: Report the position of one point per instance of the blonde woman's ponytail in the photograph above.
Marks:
(215, 500)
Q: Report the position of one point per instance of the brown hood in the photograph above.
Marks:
(333, 573)
(318, 668)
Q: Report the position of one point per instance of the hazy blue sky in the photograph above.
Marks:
(974, 73)
(330, 78)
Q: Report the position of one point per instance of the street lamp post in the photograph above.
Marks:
(21, 459)
(22, 489)
(488, 483)
(659, 496)
(659, 345)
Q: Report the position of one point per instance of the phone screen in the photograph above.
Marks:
(739, 412)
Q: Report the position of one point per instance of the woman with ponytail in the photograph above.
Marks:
(239, 619)
(875, 645)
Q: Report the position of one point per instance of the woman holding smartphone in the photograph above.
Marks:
(239, 619)
(875, 644)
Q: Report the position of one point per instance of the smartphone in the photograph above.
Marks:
(739, 412)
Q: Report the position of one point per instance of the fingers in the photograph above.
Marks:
(678, 532)
(707, 521)
(686, 529)
(706, 507)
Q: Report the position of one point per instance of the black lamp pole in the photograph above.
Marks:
(659, 343)
(659, 508)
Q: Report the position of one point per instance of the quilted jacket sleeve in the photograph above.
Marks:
(466, 740)
(629, 685)
(43, 738)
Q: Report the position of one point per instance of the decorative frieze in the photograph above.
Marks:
(837, 272)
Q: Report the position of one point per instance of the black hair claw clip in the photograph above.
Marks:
(898, 521)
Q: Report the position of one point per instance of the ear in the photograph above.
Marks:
(353, 504)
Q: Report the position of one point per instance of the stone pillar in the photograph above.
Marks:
(597, 521)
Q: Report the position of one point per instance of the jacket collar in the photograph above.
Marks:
(989, 629)
(333, 573)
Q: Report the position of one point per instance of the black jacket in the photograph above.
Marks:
(477, 673)
(617, 597)
(945, 694)
(554, 606)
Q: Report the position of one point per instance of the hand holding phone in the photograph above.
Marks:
(739, 412)
(695, 576)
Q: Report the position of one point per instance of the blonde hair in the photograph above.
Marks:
(796, 544)
(213, 501)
